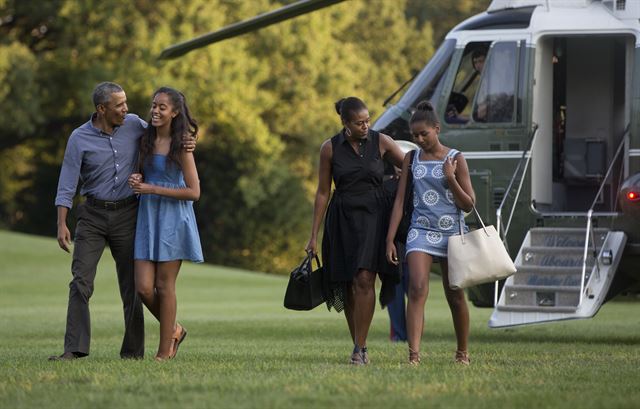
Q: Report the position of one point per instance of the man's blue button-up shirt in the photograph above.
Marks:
(101, 162)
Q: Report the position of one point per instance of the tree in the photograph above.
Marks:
(443, 15)
(264, 102)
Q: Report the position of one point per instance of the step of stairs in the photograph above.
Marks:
(523, 308)
(555, 256)
(564, 236)
(548, 276)
(542, 296)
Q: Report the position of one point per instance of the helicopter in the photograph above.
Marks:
(543, 99)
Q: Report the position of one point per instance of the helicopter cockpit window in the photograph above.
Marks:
(426, 86)
(496, 97)
(429, 82)
(466, 83)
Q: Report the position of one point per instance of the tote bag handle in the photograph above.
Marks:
(478, 218)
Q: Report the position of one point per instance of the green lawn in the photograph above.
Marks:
(245, 350)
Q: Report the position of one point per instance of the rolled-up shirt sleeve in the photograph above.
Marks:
(69, 174)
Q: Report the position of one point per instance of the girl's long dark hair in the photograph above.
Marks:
(181, 125)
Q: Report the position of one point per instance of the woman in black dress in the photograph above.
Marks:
(353, 244)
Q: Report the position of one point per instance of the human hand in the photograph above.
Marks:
(143, 188)
(134, 178)
(312, 246)
(392, 254)
(449, 168)
(188, 143)
(64, 237)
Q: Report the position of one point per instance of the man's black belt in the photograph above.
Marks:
(111, 204)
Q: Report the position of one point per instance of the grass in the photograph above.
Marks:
(245, 350)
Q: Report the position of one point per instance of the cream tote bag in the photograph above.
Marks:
(477, 257)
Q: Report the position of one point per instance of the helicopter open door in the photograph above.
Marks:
(582, 107)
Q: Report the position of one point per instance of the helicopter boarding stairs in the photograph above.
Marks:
(562, 272)
(549, 284)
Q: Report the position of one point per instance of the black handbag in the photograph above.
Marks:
(407, 208)
(304, 291)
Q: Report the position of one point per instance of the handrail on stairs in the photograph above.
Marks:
(525, 159)
(524, 164)
(589, 233)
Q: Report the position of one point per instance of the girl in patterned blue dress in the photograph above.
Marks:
(166, 231)
(441, 191)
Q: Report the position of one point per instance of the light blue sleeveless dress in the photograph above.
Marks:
(435, 215)
(166, 229)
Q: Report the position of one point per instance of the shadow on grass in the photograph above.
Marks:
(528, 337)
(328, 330)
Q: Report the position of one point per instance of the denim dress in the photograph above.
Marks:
(166, 229)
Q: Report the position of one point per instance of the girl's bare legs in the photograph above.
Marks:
(458, 307)
(419, 268)
(165, 284)
(145, 276)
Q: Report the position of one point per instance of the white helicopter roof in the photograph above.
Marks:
(620, 8)
(508, 4)
(571, 17)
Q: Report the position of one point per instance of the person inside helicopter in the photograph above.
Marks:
(478, 58)
(458, 100)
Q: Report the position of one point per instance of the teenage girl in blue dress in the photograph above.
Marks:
(166, 231)
(441, 191)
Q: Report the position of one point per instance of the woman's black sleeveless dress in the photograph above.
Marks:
(357, 220)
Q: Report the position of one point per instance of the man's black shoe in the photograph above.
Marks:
(67, 356)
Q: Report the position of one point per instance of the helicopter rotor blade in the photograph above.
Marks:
(263, 20)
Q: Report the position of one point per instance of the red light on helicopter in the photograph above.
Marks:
(633, 196)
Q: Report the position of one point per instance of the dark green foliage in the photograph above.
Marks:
(264, 101)
(253, 211)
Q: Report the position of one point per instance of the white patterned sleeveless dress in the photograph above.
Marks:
(435, 215)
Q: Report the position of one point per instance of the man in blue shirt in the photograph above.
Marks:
(101, 154)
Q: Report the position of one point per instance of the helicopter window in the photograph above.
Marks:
(429, 82)
(521, 80)
(426, 86)
(496, 95)
(458, 109)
